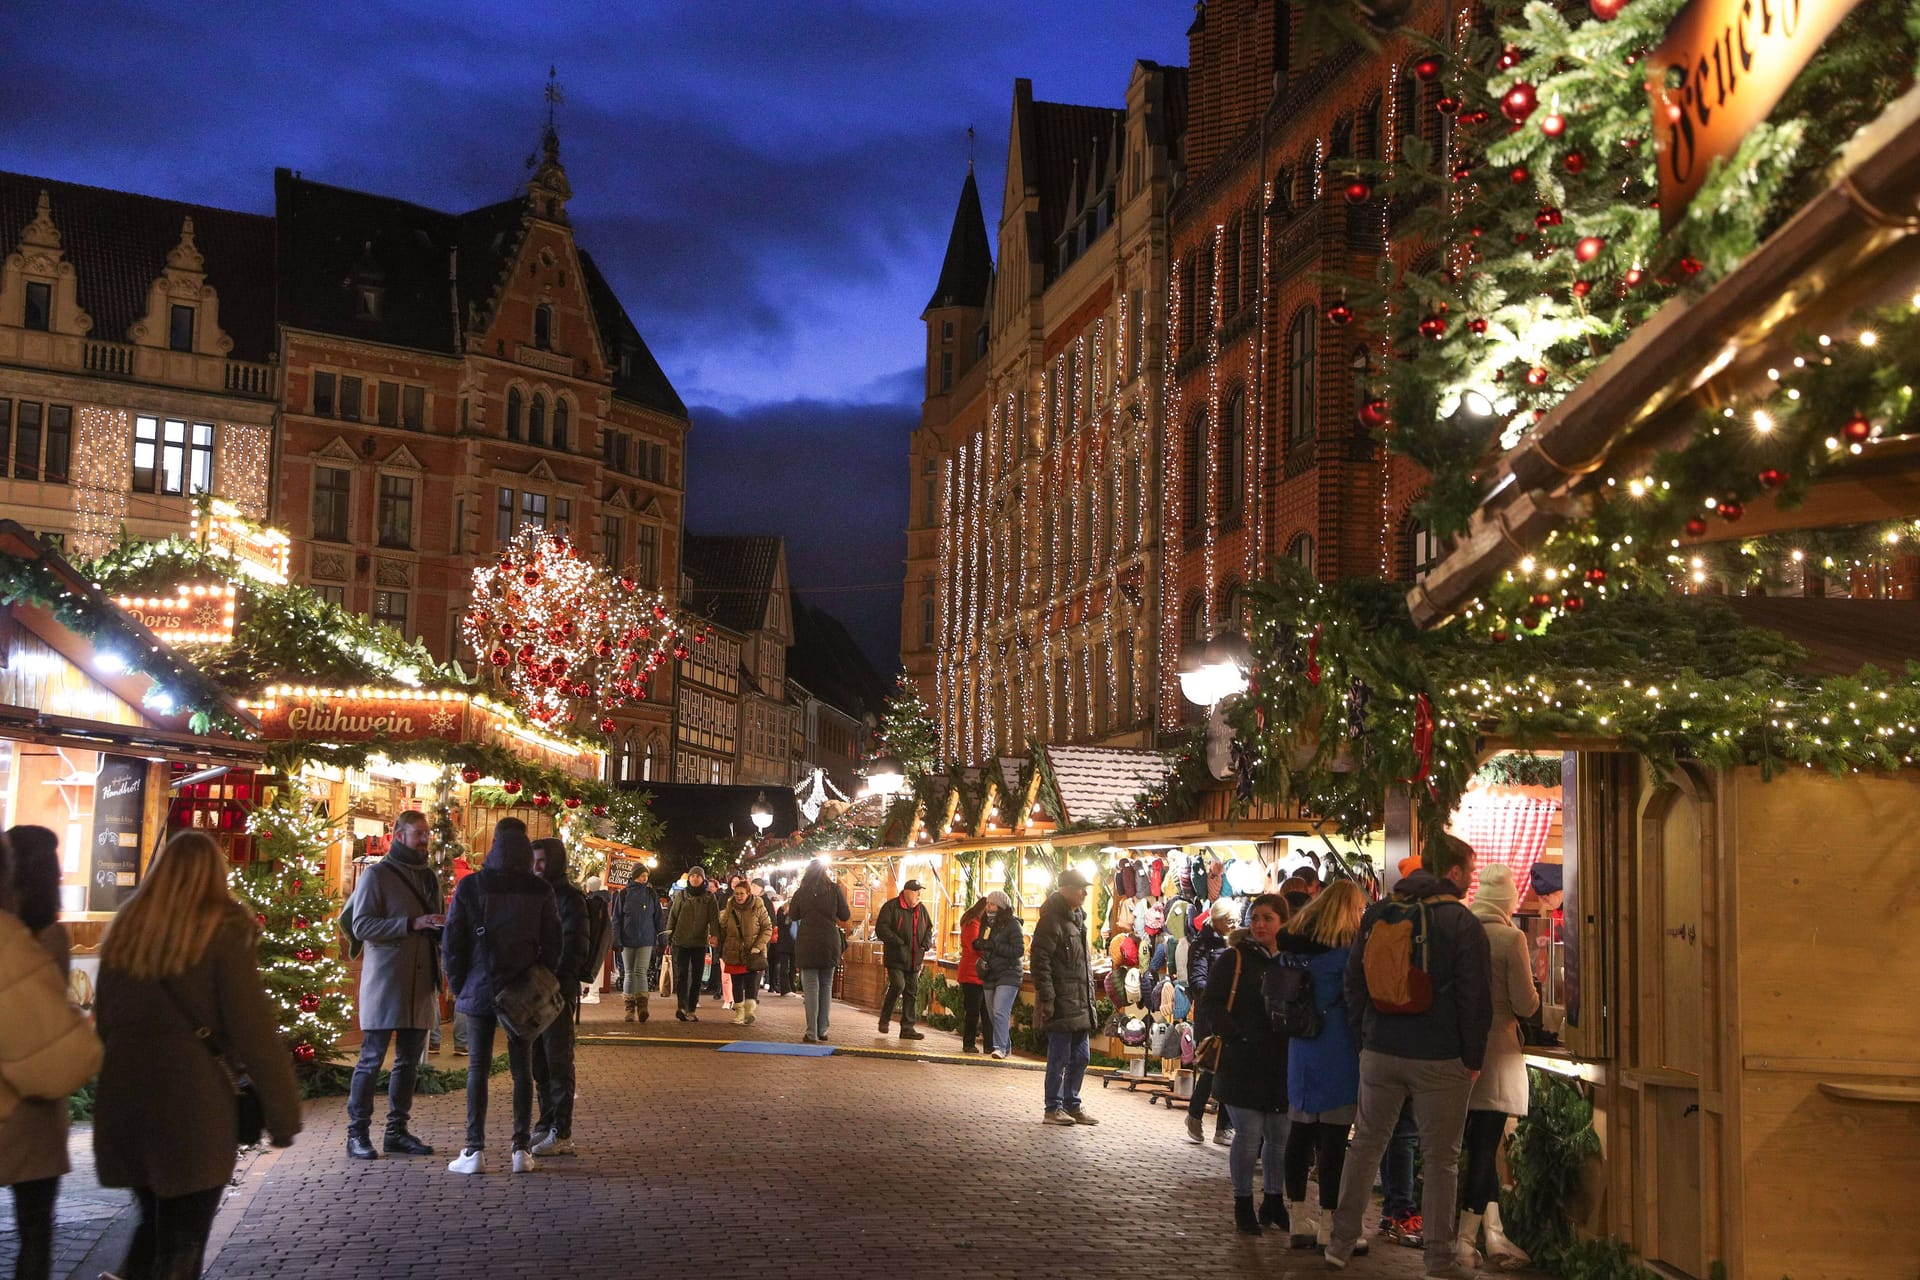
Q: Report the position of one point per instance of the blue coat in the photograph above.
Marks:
(638, 915)
(1323, 1074)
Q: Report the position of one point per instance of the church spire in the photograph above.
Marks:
(967, 272)
(548, 186)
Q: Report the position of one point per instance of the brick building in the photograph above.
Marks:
(1033, 559)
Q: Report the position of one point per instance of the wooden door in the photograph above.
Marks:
(1679, 969)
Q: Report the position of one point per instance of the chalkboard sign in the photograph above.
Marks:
(119, 810)
(621, 871)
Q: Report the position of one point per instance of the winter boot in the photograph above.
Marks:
(740, 1015)
(1502, 1252)
(1273, 1211)
(1466, 1241)
(1305, 1219)
(753, 1010)
(642, 1006)
(1245, 1220)
(633, 1003)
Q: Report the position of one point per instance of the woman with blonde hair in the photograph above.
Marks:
(182, 1012)
(1323, 1073)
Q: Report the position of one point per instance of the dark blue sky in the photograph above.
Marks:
(768, 184)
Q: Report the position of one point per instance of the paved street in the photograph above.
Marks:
(697, 1161)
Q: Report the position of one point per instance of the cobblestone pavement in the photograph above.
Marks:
(693, 1161)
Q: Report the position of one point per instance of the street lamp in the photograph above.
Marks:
(885, 776)
(761, 813)
(1218, 671)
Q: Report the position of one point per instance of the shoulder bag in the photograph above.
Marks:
(1206, 1055)
(527, 1005)
(250, 1114)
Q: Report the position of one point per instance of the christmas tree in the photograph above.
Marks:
(907, 731)
(286, 888)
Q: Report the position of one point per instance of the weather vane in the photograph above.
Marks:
(969, 148)
(553, 93)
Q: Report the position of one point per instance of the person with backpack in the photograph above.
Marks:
(553, 1074)
(394, 917)
(1209, 940)
(745, 933)
(1501, 1091)
(693, 925)
(639, 918)
(819, 910)
(1323, 1070)
(1419, 996)
(1002, 946)
(1251, 1081)
(502, 924)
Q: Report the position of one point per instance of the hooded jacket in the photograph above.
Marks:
(694, 916)
(745, 931)
(1002, 945)
(502, 922)
(1323, 1074)
(571, 902)
(1062, 969)
(639, 917)
(1457, 1023)
(1207, 944)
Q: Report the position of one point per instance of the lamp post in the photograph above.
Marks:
(1214, 674)
(885, 776)
(761, 813)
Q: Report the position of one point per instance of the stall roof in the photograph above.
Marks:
(1095, 782)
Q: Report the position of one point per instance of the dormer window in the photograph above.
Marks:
(626, 363)
(543, 327)
(366, 303)
(180, 329)
(39, 306)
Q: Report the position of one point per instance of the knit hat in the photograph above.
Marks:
(594, 884)
(1497, 889)
(1177, 918)
(1000, 900)
(1156, 919)
(1408, 866)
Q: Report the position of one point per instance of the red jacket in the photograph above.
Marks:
(969, 952)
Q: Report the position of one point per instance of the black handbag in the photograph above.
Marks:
(249, 1113)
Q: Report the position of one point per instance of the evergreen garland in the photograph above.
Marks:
(1520, 769)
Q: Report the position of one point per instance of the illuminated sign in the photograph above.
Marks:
(258, 552)
(1720, 70)
(331, 716)
(196, 613)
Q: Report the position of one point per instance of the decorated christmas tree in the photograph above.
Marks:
(907, 731)
(286, 888)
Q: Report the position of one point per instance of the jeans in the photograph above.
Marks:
(1439, 1089)
(686, 976)
(902, 985)
(1002, 999)
(33, 1223)
(408, 1044)
(1307, 1144)
(816, 991)
(619, 969)
(746, 986)
(553, 1071)
(519, 1052)
(1396, 1167)
(1067, 1053)
(639, 962)
(973, 1002)
(1258, 1137)
(171, 1240)
(780, 973)
(459, 1031)
(1481, 1185)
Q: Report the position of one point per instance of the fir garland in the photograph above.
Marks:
(1520, 769)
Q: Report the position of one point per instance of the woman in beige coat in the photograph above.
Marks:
(179, 957)
(1501, 1090)
(40, 1025)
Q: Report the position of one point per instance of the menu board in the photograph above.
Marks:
(620, 872)
(119, 811)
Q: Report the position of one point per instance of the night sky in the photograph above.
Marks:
(768, 184)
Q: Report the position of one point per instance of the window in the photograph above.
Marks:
(323, 394)
(513, 413)
(930, 501)
(537, 420)
(413, 408)
(613, 450)
(180, 329)
(946, 370)
(926, 612)
(610, 540)
(1301, 551)
(1194, 487)
(561, 417)
(1230, 275)
(146, 450)
(503, 525)
(946, 331)
(26, 441)
(366, 303)
(1302, 353)
(543, 328)
(332, 503)
(163, 460)
(39, 306)
(1137, 333)
(332, 592)
(646, 557)
(6, 434)
(562, 514)
(200, 468)
(657, 460)
(626, 363)
(59, 443)
(1422, 549)
(533, 509)
(396, 513)
(1193, 622)
(459, 538)
(388, 401)
(351, 399)
(1233, 448)
(390, 609)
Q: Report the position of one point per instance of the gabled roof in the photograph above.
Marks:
(967, 270)
(732, 577)
(1095, 782)
(645, 382)
(1075, 152)
(118, 244)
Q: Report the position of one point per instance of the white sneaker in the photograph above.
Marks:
(468, 1161)
(554, 1145)
(523, 1162)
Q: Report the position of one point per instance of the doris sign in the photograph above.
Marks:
(334, 719)
(193, 613)
(1719, 72)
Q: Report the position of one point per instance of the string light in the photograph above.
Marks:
(246, 457)
(102, 461)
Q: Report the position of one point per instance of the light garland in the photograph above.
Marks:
(1211, 499)
(246, 459)
(1172, 470)
(196, 613)
(102, 464)
(257, 551)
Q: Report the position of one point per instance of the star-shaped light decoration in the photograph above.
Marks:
(441, 720)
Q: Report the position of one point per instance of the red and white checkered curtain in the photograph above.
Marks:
(1505, 828)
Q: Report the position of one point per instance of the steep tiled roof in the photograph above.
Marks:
(827, 660)
(645, 382)
(732, 577)
(118, 244)
(1075, 146)
(1097, 781)
(967, 271)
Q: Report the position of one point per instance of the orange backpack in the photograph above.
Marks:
(1398, 956)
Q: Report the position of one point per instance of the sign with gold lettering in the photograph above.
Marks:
(1719, 72)
(325, 718)
(192, 613)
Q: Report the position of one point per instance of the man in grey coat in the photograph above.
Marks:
(398, 915)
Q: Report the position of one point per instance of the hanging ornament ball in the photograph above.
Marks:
(299, 922)
(1340, 313)
(1695, 527)
(607, 724)
(1772, 478)
(1581, 288)
(500, 657)
(1857, 429)
(1635, 276)
(1519, 174)
(309, 1002)
(1541, 600)
(1547, 217)
(626, 583)
(1518, 102)
(1587, 248)
(297, 884)
(1553, 124)
(598, 811)
(1510, 57)
(1606, 10)
(1537, 376)
(1434, 327)
(531, 577)
(1731, 509)
(1530, 620)
(1463, 173)
(304, 1051)
(1447, 105)
(1691, 265)
(1428, 67)
(603, 648)
(306, 955)
(470, 774)
(1358, 191)
(573, 802)
(511, 786)
(506, 631)
(260, 919)
(700, 637)
(1375, 413)
(1596, 575)
(541, 799)
(1574, 604)
(682, 652)
(1498, 637)
(1575, 163)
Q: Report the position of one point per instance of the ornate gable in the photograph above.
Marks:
(402, 459)
(336, 450)
(39, 257)
(183, 282)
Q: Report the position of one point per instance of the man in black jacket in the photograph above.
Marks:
(907, 930)
(553, 1051)
(1432, 1055)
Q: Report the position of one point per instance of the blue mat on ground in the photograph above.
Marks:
(777, 1049)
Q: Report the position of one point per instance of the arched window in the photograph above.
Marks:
(1250, 256)
(1303, 352)
(926, 613)
(1375, 140)
(561, 415)
(1230, 277)
(1193, 462)
(651, 761)
(543, 327)
(625, 773)
(1233, 453)
(513, 413)
(537, 420)
(1232, 602)
(1282, 205)
(1301, 552)
(1340, 149)
(1193, 621)
(1189, 303)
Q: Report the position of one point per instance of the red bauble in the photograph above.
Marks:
(511, 786)
(1358, 191)
(1587, 248)
(1477, 326)
(1691, 266)
(681, 652)
(541, 799)
(1476, 117)
(1510, 57)
(1731, 509)
(1498, 637)
(604, 648)
(1635, 276)
(1447, 105)
(1575, 162)
(1547, 217)
(607, 724)
(1581, 288)
(1606, 10)
(470, 774)
(573, 802)
(1518, 102)
(1427, 67)
(1857, 430)
(1537, 376)
(299, 922)
(1772, 478)
(700, 637)
(1695, 527)
(531, 577)
(1519, 174)
(306, 955)
(309, 1002)
(659, 613)
(1596, 575)
(1375, 413)
(305, 1052)
(500, 657)
(1541, 600)
(598, 811)
(1553, 125)
(506, 631)
(1574, 604)
(260, 920)
(1463, 174)
(1339, 313)
(1530, 620)
(1434, 327)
